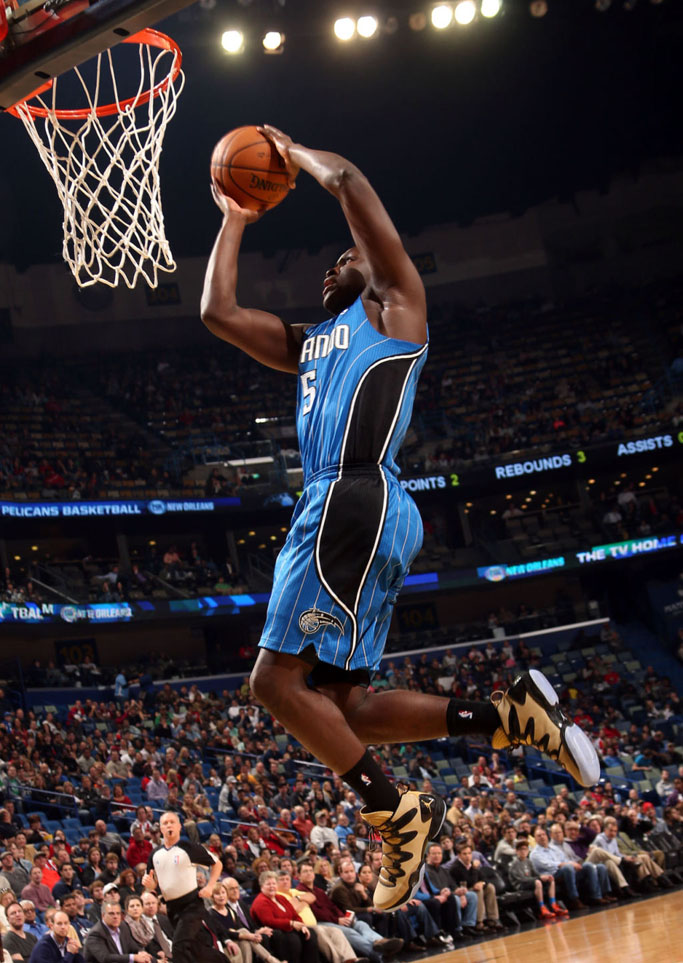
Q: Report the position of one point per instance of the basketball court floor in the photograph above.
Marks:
(647, 931)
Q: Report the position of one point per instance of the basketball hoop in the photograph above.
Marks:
(104, 159)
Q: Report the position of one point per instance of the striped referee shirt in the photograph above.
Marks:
(176, 873)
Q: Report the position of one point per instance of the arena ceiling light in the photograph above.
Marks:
(490, 8)
(273, 42)
(465, 12)
(367, 26)
(232, 41)
(442, 16)
(344, 28)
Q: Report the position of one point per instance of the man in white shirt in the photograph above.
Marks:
(664, 785)
(593, 876)
(322, 832)
(635, 868)
(157, 923)
(474, 809)
(157, 789)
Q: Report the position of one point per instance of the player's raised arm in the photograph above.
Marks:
(262, 335)
(394, 278)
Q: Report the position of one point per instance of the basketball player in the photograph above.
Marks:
(355, 531)
(172, 867)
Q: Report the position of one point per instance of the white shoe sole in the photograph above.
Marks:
(578, 744)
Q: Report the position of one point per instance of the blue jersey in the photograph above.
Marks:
(354, 531)
(356, 393)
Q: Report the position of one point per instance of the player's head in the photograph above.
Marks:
(345, 281)
(169, 824)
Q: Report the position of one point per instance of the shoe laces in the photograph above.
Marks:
(393, 852)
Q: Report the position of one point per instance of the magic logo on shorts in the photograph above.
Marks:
(313, 619)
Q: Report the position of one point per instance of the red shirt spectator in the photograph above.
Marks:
(302, 823)
(139, 848)
(275, 911)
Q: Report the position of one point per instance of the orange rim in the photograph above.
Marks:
(149, 37)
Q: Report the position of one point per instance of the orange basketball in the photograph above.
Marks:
(246, 167)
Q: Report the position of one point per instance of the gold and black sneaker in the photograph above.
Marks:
(530, 715)
(405, 833)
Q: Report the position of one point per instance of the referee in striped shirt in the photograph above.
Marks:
(171, 866)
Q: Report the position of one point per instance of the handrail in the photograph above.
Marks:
(44, 585)
(168, 585)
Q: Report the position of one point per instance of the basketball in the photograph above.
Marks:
(246, 167)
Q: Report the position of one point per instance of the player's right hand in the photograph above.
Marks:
(282, 143)
(229, 206)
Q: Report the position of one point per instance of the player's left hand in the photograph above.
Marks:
(204, 892)
(229, 206)
(282, 144)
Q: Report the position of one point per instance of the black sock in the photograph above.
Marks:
(463, 718)
(370, 783)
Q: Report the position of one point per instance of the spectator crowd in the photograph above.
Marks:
(83, 790)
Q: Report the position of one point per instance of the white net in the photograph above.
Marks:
(106, 168)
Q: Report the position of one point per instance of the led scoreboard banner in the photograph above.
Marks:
(493, 476)
(39, 613)
(472, 480)
(110, 509)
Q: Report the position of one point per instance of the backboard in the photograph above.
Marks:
(41, 39)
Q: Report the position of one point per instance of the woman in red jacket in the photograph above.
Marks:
(291, 939)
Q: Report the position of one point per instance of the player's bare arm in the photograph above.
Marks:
(260, 334)
(394, 283)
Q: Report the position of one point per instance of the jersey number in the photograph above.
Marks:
(308, 389)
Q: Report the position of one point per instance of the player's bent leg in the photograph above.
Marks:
(530, 714)
(278, 681)
(406, 823)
